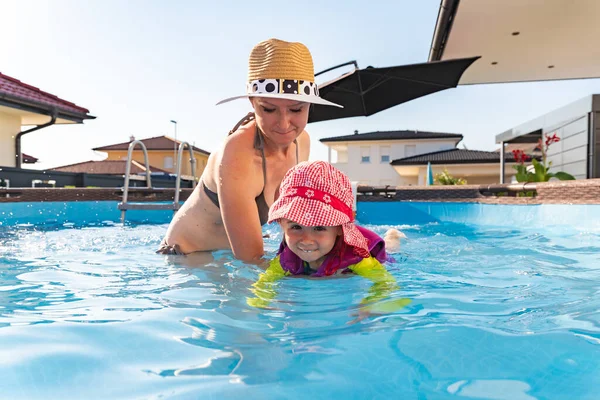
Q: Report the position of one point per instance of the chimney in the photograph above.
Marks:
(131, 138)
(356, 131)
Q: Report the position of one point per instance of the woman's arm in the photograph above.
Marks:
(237, 187)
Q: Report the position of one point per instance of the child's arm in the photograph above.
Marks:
(384, 284)
(264, 288)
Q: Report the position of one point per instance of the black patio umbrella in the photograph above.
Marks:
(364, 92)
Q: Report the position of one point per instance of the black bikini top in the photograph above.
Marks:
(261, 203)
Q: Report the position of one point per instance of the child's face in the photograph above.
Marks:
(311, 243)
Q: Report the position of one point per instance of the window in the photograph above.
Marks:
(342, 156)
(168, 162)
(40, 183)
(410, 150)
(384, 151)
(365, 154)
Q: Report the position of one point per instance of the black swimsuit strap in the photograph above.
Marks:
(259, 144)
(258, 140)
(247, 118)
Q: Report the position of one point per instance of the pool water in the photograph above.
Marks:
(90, 312)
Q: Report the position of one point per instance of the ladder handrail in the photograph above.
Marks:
(178, 181)
(124, 206)
(128, 171)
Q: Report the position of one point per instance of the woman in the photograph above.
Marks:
(228, 207)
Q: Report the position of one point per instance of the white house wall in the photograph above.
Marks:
(570, 154)
(10, 125)
(377, 173)
(571, 124)
(474, 174)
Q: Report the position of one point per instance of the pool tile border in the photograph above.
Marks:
(556, 192)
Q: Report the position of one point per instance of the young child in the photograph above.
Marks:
(314, 210)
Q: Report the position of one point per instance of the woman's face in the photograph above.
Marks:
(282, 121)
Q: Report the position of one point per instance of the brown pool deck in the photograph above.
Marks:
(585, 191)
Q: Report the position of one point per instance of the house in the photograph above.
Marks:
(576, 125)
(475, 166)
(25, 105)
(162, 155)
(108, 167)
(366, 157)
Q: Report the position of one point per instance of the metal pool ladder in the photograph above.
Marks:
(124, 205)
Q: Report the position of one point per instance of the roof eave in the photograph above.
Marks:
(104, 150)
(442, 30)
(36, 107)
(421, 163)
(332, 140)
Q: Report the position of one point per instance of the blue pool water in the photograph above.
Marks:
(505, 305)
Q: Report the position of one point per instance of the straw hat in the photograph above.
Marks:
(317, 194)
(282, 70)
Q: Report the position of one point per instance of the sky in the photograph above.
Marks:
(138, 64)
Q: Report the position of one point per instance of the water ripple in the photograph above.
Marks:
(493, 310)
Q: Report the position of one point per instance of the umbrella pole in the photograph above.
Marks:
(338, 66)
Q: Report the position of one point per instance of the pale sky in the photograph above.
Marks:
(138, 64)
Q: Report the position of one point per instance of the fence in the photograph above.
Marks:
(27, 178)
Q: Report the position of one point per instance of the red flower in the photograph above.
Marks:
(551, 139)
(520, 156)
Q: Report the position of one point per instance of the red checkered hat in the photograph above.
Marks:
(317, 194)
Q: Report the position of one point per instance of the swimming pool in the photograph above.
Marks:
(505, 304)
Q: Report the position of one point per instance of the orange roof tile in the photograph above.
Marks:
(23, 91)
